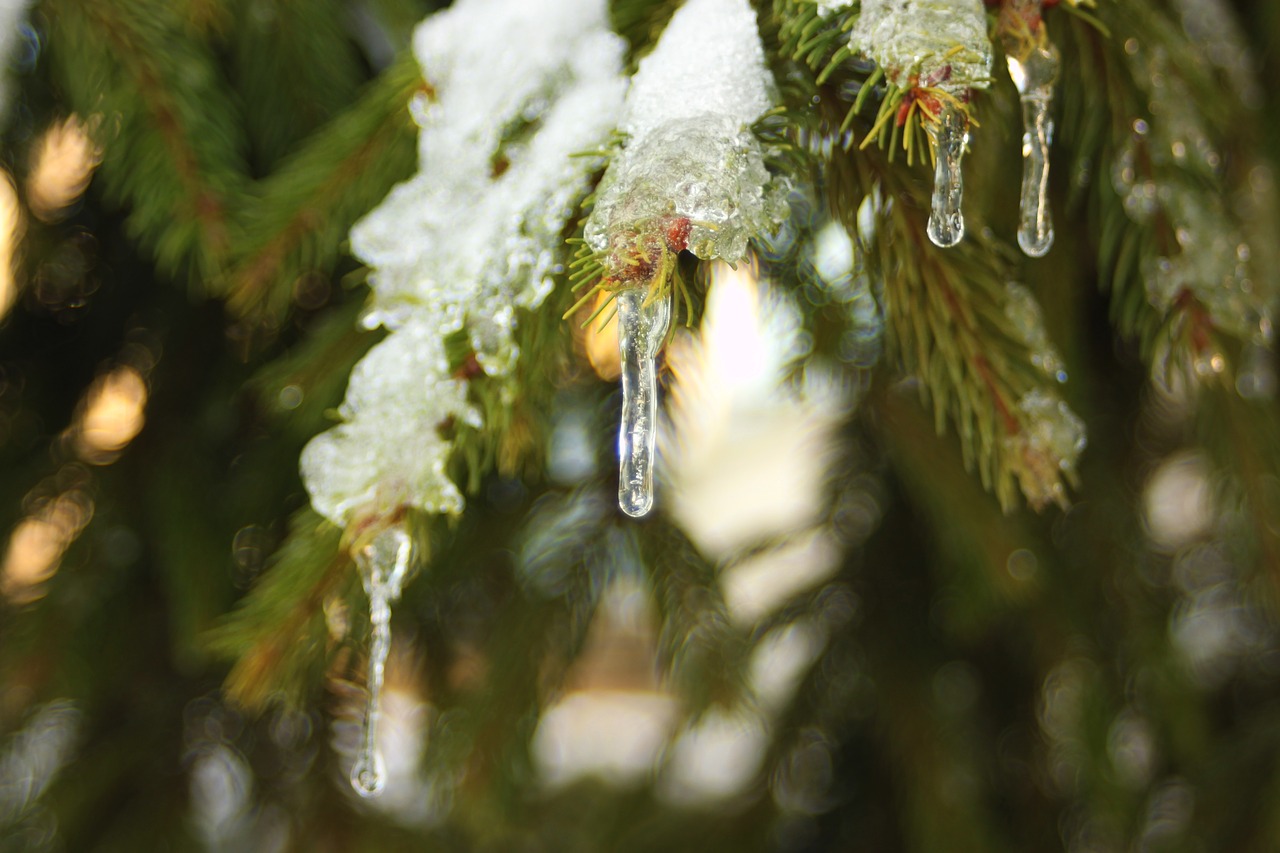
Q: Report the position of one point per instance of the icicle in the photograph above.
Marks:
(383, 563)
(642, 326)
(949, 136)
(1035, 75)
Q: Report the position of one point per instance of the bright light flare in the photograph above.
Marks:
(747, 453)
(600, 340)
(112, 415)
(65, 159)
(38, 543)
(10, 232)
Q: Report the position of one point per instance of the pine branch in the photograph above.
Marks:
(1151, 202)
(302, 387)
(168, 128)
(303, 212)
(294, 67)
(277, 636)
(704, 652)
(1243, 437)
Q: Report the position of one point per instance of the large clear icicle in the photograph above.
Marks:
(642, 326)
(949, 135)
(383, 563)
(1035, 75)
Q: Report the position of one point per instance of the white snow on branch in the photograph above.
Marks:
(516, 89)
(690, 151)
(389, 451)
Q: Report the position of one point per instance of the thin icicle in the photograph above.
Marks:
(949, 137)
(642, 326)
(1035, 75)
(383, 563)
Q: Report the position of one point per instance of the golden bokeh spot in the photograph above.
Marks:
(111, 415)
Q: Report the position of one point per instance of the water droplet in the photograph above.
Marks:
(642, 326)
(949, 136)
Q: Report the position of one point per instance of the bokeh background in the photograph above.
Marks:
(829, 637)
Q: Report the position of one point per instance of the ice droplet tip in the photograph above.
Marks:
(1035, 247)
(944, 236)
(636, 509)
(367, 779)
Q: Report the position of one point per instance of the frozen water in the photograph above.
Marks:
(389, 450)
(471, 238)
(690, 153)
(949, 135)
(1170, 165)
(709, 60)
(707, 169)
(1035, 75)
(384, 564)
(1027, 321)
(943, 41)
(474, 233)
(642, 326)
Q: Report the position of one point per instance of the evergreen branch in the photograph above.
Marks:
(294, 67)
(305, 209)
(171, 140)
(640, 22)
(1243, 437)
(946, 311)
(301, 388)
(277, 636)
(1155, 201)
(704, 653)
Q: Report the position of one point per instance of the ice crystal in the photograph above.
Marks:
(943, 42)
(642, 326)
(1048, 446)
(1035, 74)
(830, 7)
(472, 238)
(1164, 167)
(690, 153)
(389, 450)
(1027, 321)
(384, 565)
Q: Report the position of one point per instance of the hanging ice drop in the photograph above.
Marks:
(949, 136)
(1035, 74)
(383, 563)
(642, 326)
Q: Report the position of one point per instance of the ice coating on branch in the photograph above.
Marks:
(1034, 75)
(940, 45)
(830, 7)
(389, 450)
(383, 564)
(642, 326)
(944, 42)
(1169, 166)
(472, 236)
(690, 153)
(1027, 321)
(469, 240)
(1048, 446)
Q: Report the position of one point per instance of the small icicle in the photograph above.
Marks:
(383, 563)
(642, 326)
(1035, 75)
(949, 136)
